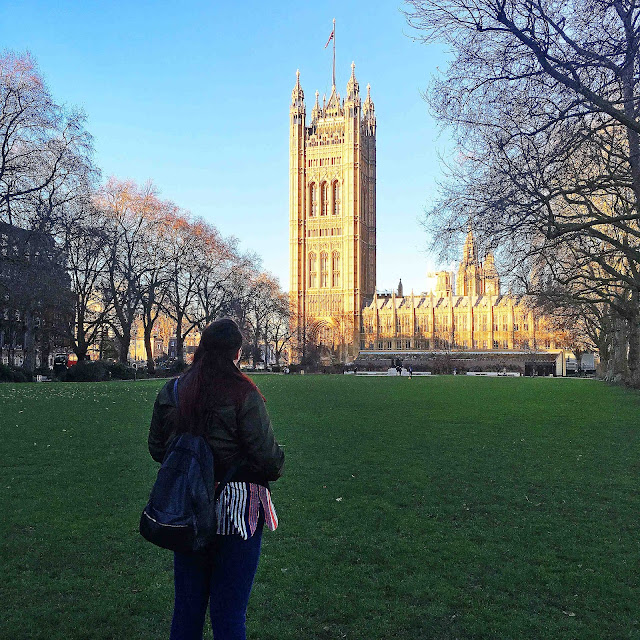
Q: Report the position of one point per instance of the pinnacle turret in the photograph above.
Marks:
(369, 113)
(353, 88)
(315, 112)
(368, 103)
(470, 253)
(490, 265)
(297, 95)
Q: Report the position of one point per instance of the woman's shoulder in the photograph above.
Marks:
(252, 392)
(166, 395)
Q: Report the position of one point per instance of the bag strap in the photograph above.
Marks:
(227, 478)
(175, 393)
(225, 481)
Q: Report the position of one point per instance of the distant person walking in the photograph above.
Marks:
(219, 402)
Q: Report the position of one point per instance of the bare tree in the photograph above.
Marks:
(259, 302)
(45, 165)
(221, 269)
(278, 329)
(84, 240)
(543, 102)
(184, 267)
(45, 152)
(130, 216)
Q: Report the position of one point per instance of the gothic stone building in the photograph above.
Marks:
(332, 233)
(332, 214)
(476, 318)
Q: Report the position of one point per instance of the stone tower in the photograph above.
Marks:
(474, 277)
(332, 215)
(490, 274)
(469, 282)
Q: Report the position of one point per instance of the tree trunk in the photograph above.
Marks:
(81, 350)
(125, 343)
(633, 353)
(29, 355)
(149, 349)
(618, 362)
(45, 350)
(179, 339)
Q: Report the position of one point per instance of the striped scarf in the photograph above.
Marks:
(238, 509)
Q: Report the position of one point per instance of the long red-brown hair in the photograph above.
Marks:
(213, 379)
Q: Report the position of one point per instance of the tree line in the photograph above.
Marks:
(541, 99)
(81, 259)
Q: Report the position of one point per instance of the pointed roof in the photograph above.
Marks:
(297, 95)
(333, 107)
(316, 107)
(490, 266)
(353, 88)
(470, 252)
(368, 103)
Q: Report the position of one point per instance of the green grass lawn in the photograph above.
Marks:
(443, 507)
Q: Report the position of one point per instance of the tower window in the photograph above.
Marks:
(325, 198)
(313, 193)
(335, 269)
(324, 270)
(312, 271)
(336, 198)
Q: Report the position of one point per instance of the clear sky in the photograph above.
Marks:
(195, 96)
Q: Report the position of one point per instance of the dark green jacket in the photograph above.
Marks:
(241, 436)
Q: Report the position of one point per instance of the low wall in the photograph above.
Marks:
(447, 362)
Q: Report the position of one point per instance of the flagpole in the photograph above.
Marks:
(334, 52)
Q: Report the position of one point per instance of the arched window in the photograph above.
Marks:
(324, 269)
(313, 199)
(325, 198)
(313, 271)
(335, 269)
(336, 198)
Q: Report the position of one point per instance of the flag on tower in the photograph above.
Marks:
(330, 39)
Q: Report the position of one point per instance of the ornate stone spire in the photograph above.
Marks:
(297, 95)
(333, 107)
(490, 265)
(369, 113)
(368, 103)
(490, 276)
(470, 253)
(316, 108)
(353, 88)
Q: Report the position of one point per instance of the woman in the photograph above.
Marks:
(217, 401)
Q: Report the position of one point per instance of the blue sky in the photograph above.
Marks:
(195, 96)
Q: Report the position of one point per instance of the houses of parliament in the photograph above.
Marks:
(332, 232)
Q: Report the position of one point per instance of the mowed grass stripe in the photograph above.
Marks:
(444, 507)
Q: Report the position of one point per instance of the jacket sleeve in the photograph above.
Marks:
(162, 427)
(264, 454)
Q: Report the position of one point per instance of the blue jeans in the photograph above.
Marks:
(223, 580)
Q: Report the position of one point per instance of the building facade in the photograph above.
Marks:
(332, 233)
(36, 303)
(332, 214)
(472, 315)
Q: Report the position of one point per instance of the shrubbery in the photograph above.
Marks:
(87, 372)
(14, 374)
(177, 367)
(121, 371)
